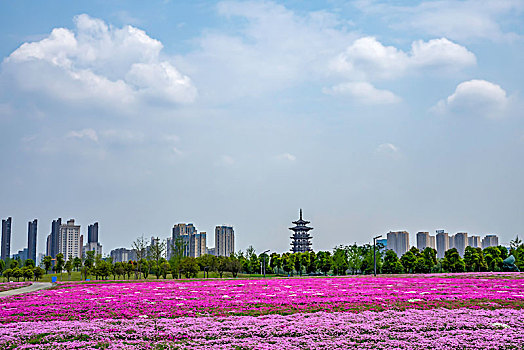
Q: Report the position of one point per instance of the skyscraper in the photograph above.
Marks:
(53, 239)
(398, 241)
(442, 243)
(183, 233)
(70, 240)
(423, 240)
(92, 233)
(474, 241)
(6, 239)
(224, 240)
(460, 242)
(31, 240)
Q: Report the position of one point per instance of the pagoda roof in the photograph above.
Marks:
(301, 228)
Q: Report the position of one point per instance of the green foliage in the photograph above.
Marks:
(29, 262)
(408, 261)
(340, 261)
(324, 261)
(474, 260)
(47, 261)
(27, 273)
(38, 272)
(189, 267)
(391, 263)
(452, 261)
(493, 258)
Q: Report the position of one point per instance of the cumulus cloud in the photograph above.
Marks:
(475, 97)
(363, 92)
(100, 64)
(369, 59)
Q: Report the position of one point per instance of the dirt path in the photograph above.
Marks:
(32, 288)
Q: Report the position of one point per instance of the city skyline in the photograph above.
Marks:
(371, 115)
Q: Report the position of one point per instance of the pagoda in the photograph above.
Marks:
(300, 240)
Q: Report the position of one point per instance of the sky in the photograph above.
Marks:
(371, 116)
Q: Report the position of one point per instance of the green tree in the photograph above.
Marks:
(38, 272)
(207, 262)
(177, 254)
(77, 263)
(69, 267)
(222, 265)
(493, 258)
(355, 258)
(235, 266)
(474, 260)
(27, 273)
(312, 263)
(17, 273)
(2, 266)
(8, 273)
(287, 263)
(408, 261)
(325, 261)
(139, 247)
(452, 261)
(47, 263)
(156, 254)
(274, 262)
(340, 261)
(59, 266)
(29, 262)
(391, 263)
(189, 267)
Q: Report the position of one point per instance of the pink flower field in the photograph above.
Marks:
(291, 313)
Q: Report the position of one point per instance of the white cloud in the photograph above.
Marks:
(458, 20)
(363, 92)
(287, 156)
(387, 149)
(475, 97)
(83, 134)
(367, 58)
(99, 64)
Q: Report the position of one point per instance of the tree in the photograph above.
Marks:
(164, 268)
(38, 272)
(355, 258)
(47, 263)
(297, 262)
(274, 262)
(156, 253)
(69, 267)
(514, 244)
(189, 267)
(139, 247)
(177, 254)
(207, 262)
(145, 267)
(27, 273)
(325, 261)
(430, 259)
(17, 273)
(222, 265)
(59, 266)
(77, 263)
(474, 260)
(29, 262)
(493, 258)
(252, 260)
(2, 266)
(391, 263)
(452, 261)
(288, 263)
(235, 266)
(340, 261)
(408, 261)
(8, 273)
(312, 263)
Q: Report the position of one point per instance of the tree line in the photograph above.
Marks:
(342, 260)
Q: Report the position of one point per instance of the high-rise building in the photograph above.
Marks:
(398, 241)
(123, 255)
(70, 240)
(182, 233)
(5, 250)
(92, 233)
(22, 255)
(224, 240)
(451, 241)
(433, 242)
(53, 238)
(490, 241)
(474, 241)
(423, 240)
(442, 243)
(460, 242)
(210, 251)
(31, 240)
(197, 244)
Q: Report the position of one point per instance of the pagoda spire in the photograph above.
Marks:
(300, 213)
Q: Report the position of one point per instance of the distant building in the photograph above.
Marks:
(451, 241)
(31, 240)
(224, 240)
(398, 242)
(92, 246)
(123, 255)
(490, 241)
(92, 233)
(423, 240)
(474, 241)
(194, 242)
(5, 250)
(22, 255)
(169, 247)
(210, 251)
(70, 240)
(442, 239)
(53, 238)
(460, 242)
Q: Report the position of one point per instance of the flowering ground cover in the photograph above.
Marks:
(315, 313)
(13, 285)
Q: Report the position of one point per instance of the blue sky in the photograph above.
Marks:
(370, 115)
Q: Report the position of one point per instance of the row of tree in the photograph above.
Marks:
(343, 260)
